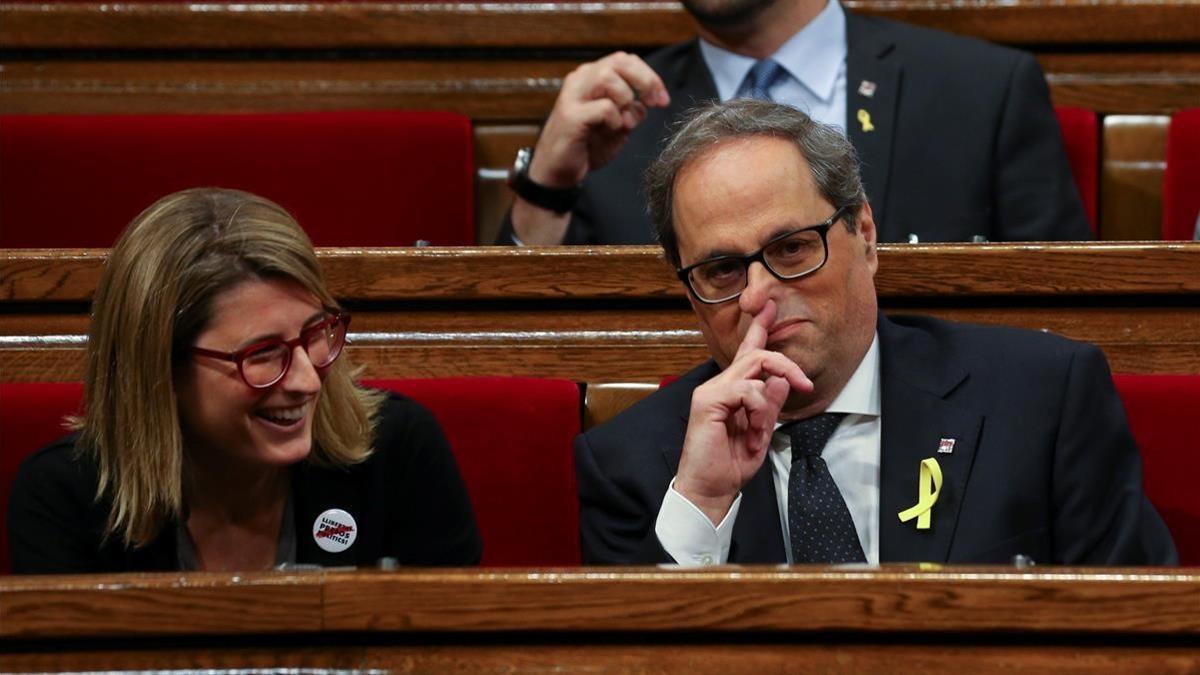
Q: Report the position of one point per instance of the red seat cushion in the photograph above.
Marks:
(1163, 415)
(31, 416)
(1081, 138)
(370, 178)
(1181, 180)
(513, 440)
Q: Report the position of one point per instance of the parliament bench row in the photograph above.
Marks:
(512, 438)
(361, 178)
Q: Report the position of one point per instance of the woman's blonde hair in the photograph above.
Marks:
(154, 298)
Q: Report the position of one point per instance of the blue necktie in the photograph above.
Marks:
(764, 75)
(819, 523)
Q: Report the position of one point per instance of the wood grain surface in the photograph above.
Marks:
(617, 314)
(316, 25)
(700, 656)
(945, 271)
(722, 600)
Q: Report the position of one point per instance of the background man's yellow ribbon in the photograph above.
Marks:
(928, 488)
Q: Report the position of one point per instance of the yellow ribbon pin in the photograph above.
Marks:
(929, 486)
(864, 118)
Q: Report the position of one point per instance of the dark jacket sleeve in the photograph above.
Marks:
(615, 527)
(1036, 197)
(1102, 515)
(579, 231)
(52, 514)
(429, 508)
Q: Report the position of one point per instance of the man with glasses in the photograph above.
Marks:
(824, 432)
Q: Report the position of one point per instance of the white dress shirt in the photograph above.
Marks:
(814, 60)
(852, 455)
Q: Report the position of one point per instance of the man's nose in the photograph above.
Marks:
(760, 286)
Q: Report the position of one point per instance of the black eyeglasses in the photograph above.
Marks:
(264, 363)
(788, 256)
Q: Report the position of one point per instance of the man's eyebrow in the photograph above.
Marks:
(725, 252)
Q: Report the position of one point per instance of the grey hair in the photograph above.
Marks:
(831, 158)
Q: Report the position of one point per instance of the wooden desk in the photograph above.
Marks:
(720, 620)
(617, 314)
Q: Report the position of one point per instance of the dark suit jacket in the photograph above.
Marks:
(407, 499)
(965, 142)
(1044, 464)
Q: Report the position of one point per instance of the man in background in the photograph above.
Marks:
(957, 137)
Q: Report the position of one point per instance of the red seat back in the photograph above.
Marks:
(369, 178)
(1081, 138)
(512, 438)
(1162, 412)
(31, 416)
(1181, 180)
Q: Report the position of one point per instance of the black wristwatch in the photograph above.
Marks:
(559, 200)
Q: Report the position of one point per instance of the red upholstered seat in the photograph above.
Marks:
(370, 178)
(1164, 415)
(1181, 181)
(31, 416)
(1081, 137)
(511, 437)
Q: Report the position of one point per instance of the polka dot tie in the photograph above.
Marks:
(819, 523)
(764, 75)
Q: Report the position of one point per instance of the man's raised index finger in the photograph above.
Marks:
(756, 334)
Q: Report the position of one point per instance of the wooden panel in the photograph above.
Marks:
(514, 87)
(895, 599)
(710, 600)
(603, 401)
(1132, 165)
(510, 86)
(698, 656)
(495, 148)
(639, 272)
(164, 604)
(927, 618)
(539, 25)
(616, 314)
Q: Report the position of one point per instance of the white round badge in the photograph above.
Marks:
(335, 530)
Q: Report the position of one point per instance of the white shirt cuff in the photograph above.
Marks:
(689, 536)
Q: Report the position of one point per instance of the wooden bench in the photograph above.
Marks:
(618, 314)
(717, 620)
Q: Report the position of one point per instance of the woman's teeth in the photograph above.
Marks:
(283, 415)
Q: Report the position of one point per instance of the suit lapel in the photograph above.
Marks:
(872, 94)
(692, 84)
(918, 412)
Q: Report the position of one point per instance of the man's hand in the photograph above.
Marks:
(732, 418)
(599, 104)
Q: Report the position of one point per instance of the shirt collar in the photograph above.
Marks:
(812, 56)
(861, 395)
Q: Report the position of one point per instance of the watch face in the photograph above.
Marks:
(520, 164)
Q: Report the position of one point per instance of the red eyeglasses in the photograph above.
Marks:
(264, 363)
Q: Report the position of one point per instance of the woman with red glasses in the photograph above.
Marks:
(221, 429)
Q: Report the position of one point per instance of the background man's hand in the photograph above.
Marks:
(599, 104)
(732, 418)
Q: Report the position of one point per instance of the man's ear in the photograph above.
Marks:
(866, 230)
